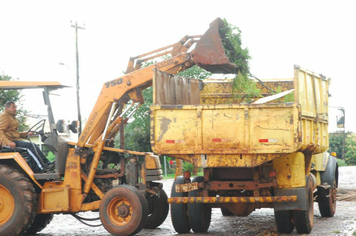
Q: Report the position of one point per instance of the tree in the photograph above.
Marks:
(137, 132)
(336, 145)
(15, 96)
(350, 149)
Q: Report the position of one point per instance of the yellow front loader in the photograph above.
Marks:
(91, 174)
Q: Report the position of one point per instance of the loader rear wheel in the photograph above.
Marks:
(284, 221)
(327, 205)
(158, 210)
(199, 213)
(179, 212)
(40, 222)
(123, 210)
(17, 202)
(304, 220)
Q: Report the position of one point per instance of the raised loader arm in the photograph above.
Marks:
(208, 54)
(107, 116)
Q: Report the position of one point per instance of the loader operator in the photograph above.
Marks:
(11, 138)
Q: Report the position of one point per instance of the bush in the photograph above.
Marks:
(188, 167)
(341, 162)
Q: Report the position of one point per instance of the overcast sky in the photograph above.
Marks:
(36, 36)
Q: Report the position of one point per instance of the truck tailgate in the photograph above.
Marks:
(225, 129)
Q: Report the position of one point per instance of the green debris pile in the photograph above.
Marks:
(243, 88)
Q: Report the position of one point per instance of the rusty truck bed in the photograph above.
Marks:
(192, 120)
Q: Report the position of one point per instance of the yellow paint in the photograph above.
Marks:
(152, 162)
(320, 161)
(7, 205)
(290, 170)
(22, 163)
(177, 200)
(55, 199)
(241, 160)
(228, 134)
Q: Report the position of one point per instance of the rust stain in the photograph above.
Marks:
(178, 200)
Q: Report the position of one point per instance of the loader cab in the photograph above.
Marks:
(56, 140)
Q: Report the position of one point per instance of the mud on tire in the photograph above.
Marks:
(40, 222)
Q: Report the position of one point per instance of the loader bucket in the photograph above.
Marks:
(209, 52)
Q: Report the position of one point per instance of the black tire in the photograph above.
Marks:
(226, 212)
(303, 220)
(123, 210)
(40, 222)
(199, 213)
(179, 212)
(284, 221)
(158, 210)
(17, 202)
(327, 205)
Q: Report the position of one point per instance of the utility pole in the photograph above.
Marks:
(77, 83)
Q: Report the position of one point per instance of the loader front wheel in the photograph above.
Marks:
(158, 210)
(17, 202)
(40, 222)
(304, 219)
(123, 210)
(179, 212)
(199, 213)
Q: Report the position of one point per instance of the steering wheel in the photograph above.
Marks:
(38, 128)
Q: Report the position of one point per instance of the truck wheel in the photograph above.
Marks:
(304, 220)
(17, 202)
(226, 212)
(40, 222)
(199, 213)
(284, 221)
(123, 210)
(179, 212)
(327, 205)
(158, 210)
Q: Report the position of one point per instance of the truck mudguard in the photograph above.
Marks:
(331, 172)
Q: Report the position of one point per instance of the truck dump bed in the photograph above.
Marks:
(199, 121)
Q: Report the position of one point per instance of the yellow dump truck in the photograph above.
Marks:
(270, 152)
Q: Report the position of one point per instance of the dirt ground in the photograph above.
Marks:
(260, 222)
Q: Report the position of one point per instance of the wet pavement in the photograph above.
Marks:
(259, 222)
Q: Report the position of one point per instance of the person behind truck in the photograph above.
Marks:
(11, 137)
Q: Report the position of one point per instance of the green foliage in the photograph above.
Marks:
(188, 167)
(336, 142)
(286, 98)
(244, 89)
(341, 162)
(231, 40)
(15, 96)
(336, 145)
(195, 72)
(137, 132)
(350, 149)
